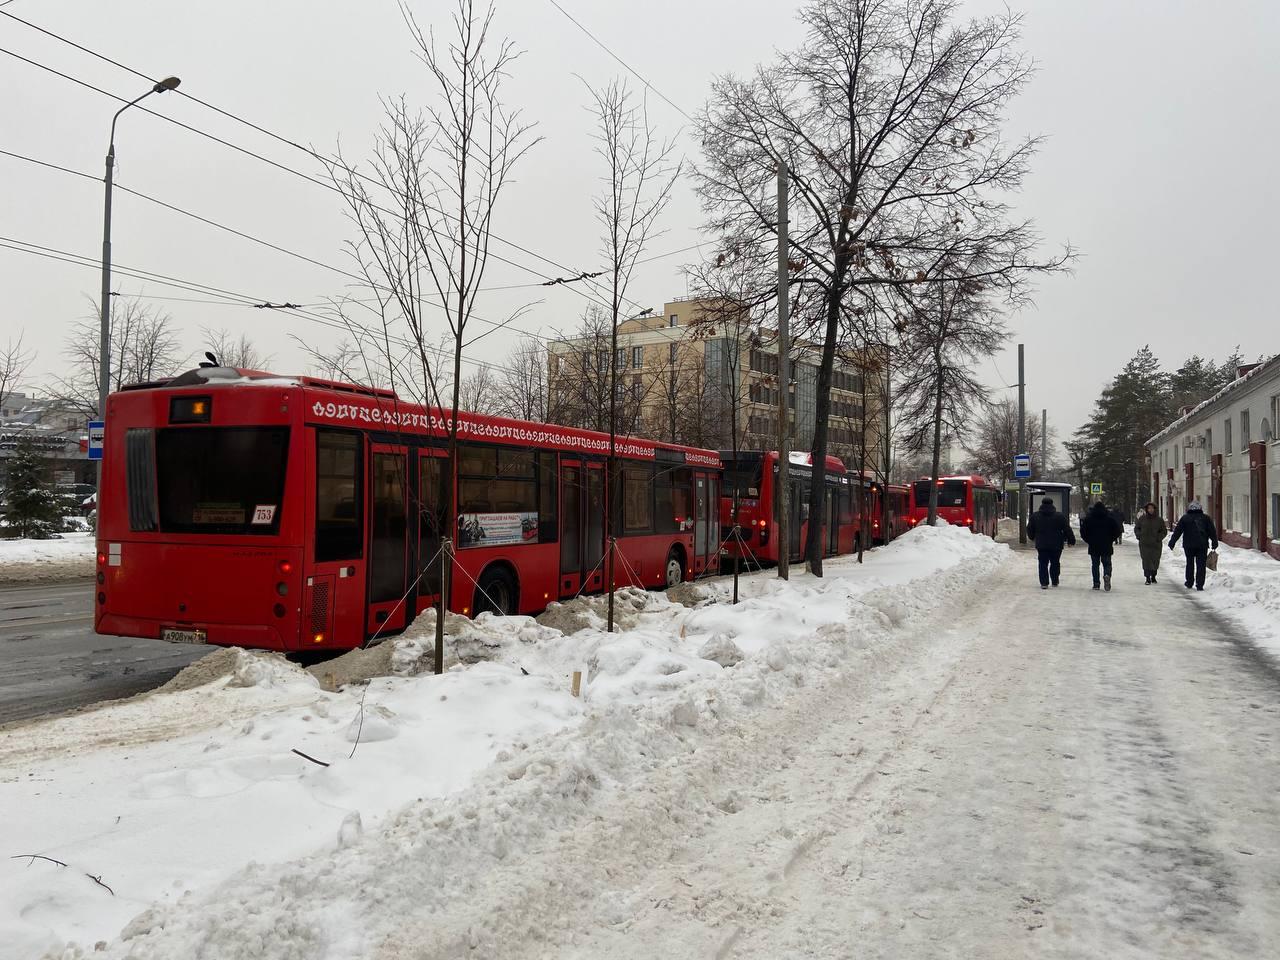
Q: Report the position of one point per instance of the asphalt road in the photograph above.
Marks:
(52, 661)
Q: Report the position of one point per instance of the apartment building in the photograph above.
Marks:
(683, 374)
(1225, 453)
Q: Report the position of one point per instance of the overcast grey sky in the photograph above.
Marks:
(1161, 119)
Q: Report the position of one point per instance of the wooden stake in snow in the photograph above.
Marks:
(577, 682)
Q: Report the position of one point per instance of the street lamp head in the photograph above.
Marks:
(168, 83)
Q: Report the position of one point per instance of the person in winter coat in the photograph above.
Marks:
(1150, 530)
(1050, 530)
(1100, 531)
(1198, 533)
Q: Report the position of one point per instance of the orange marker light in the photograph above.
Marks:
(198, 408)
(318, 638)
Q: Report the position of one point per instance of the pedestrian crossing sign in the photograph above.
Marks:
(1095, 489)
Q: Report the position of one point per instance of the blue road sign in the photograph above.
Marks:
(1022, 467)
(97, 434)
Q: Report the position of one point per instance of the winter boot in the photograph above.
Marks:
(1106, 583)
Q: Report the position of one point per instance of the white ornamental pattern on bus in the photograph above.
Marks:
(534, 435)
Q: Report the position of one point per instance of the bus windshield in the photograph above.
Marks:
(951, 493)
(742, 479)
(221, 479)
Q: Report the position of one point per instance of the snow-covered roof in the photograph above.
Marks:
(1259, 370)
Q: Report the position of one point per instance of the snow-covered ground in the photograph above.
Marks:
(66, 558)
(218, 840)
(1245, 589)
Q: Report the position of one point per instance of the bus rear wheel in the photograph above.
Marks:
(496, 593)
(675, 569)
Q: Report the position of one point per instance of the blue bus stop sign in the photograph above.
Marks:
(1022, 467)
(97, 434)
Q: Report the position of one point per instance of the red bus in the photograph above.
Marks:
(755, 474)
(900, 519)
(244, 509)
(962, 501)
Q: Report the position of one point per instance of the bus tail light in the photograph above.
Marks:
(102, 558)
(285, 566)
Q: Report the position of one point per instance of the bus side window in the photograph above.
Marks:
(339, 527)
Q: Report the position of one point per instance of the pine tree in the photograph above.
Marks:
(34, 507)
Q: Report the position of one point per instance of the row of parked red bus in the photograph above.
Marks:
(240, 508)
(751, 489)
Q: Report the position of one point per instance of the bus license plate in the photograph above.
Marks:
(183, 636)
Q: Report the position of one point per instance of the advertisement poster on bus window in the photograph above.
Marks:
(496, 529)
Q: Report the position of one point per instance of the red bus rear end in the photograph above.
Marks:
(962, 501)
(754, 475)
(287, 514)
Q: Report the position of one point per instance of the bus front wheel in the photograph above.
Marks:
(675, 569)
(496, 593)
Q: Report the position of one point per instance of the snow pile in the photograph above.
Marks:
(67, 558)
(450, 777)
(1246, 590)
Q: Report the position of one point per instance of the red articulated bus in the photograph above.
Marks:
(244, 509)
(755, 475)
(962, 501)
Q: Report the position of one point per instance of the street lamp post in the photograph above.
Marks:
(104, 309)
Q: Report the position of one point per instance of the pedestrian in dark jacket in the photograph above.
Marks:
(1198, 533)
(1150, 530)
(1051, 531)
(1100, 531)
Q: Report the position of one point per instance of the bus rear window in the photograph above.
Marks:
(221, 479)
(951, 493)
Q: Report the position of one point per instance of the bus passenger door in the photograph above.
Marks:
(701, 512)
(581, 527)
(571, 535)
(433, 512)
(388, 540)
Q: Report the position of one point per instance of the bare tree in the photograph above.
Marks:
(15, 359)
(523, 388)
(583, 377)
(640, 175)
(887, 118)
(445, 169)
(478, 391)
(144, 347)
(953, 326)
(234, 351)
(995, 441)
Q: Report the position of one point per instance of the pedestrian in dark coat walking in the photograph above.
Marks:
(1100, 531)
(1150, 530)
(1198, 533)
(1051, 531)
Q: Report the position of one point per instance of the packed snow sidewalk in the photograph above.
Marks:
(194, 809)
(67, 558)
(1245, 589)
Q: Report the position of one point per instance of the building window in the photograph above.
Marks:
(637, 357)
(1175, 458)
(1244, 431)
(1227, 446)
(1208, 444)
(674, 320)
(1228, 516)
(1245, 520)
(672, 350)
(1275, 412)
(1275, 516)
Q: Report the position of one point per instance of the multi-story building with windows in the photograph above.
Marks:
(683, 375)
(1225, 453)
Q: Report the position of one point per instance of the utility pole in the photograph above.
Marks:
(1022, 441)
(1044, 441)
(784, 385)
